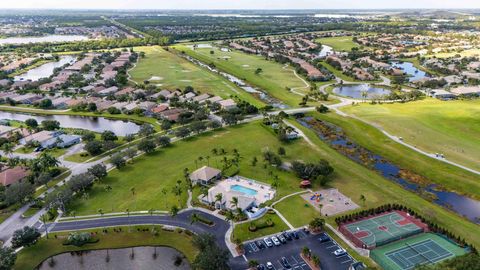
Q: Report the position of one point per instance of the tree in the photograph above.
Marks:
(198, 127)
(166, 125)
(32, 123)
(45, 104)
(363, 199)
(80, 182)
(93, 148)
(88, 136)
(174, 210)
(130, 153)
(99, 171)
(163, 141)
(281, 151)
(317, 224)
(252, 263)
(147, 145)
(315, 260)
(306, 252)
(129, 137)
(258, 71)
(8, 148)
(25, 237)
(43, 179)
(50, 124)
(146, 130)
(182, 132)
(7, 258)
(234, 202)
(18, 192)
(108, 135)
(210, 257)
(117, 160)
(322, 109)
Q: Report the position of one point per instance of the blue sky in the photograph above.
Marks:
(239, 4)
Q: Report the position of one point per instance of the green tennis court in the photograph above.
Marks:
(406, 254)
(382, 229)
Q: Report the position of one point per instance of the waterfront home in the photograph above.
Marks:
(61, 102)
(40, 137)
(61, 141)
(227, 104)
(442, 94)
(172, 114)
(27, 98)
(466, 90)
(205, 176)
(12, 175)
(5, 130)
(160, 108)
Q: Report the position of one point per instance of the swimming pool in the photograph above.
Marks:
(245, 190)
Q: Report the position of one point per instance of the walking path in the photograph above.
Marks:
(294, 89)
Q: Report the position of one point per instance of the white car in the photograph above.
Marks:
(268, 242)
(339, 252)
(270, 266)
(275, 241)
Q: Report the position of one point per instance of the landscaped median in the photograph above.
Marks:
(119, 237)
(270, 223)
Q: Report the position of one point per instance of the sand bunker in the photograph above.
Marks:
(155, 78)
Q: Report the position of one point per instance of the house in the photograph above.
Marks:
(108, 91)
(228, 104)
(160, 108)
(40, 137)
(12, 175)
(441, 94)
(205, 175)
(62, 141)
(5, 130)
(215, 99)
(201, 98)
(124, 91)
(61, 102)
(172, 114)
(466, 90)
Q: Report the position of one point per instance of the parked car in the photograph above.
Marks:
(339, 252)
(282, 239)
(269, 266)
(285, 263)
(324, 237)
(260, 244)
(287, 236)
(275, 241)
(295, 235)
(306, 231)
(268, 242)
(261, 267)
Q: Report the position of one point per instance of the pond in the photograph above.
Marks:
(96, 124)
(45, 70)
(413, 72)
(49, 38)
(357, 90)
(121, 259)
(326, 50)
(335, 137)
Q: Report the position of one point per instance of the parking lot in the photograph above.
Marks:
(291, 251)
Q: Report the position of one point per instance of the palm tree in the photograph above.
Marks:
(177, 191)
(306, 252)
(151, 211)
(363, 199)
(215, 151)
(8, 149)
(164, 192)
(316, 260)
(194, 218)
(208, 160)
(100, 211)
(218, 197)
(234, 202)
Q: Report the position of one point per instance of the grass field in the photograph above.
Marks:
(297, 211)
(354, 180)
(451, 128)
(171, 72)
(241, 231)
(448, 176)
(274, 78)
(338, 43)
(151, 173)
(30, 257)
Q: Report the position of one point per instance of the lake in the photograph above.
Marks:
(49, 38)
(121, 259)
(413, 72)
(326, 50)
(45, 70)
(356, 90)
(97, 124)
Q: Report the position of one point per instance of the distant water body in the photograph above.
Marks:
(49, 38)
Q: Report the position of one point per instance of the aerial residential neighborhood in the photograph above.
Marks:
(306, 135)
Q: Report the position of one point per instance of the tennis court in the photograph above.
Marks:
(406, 254)
(382, 229)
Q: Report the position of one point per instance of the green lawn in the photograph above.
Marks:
(24, 150)
(338, 43)
(151, 173)
(171, 72)
(274, 78)
(241, 231)
(354, 180)
(297, 211)
(31, 257)
(78, 157)
(435, 126)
